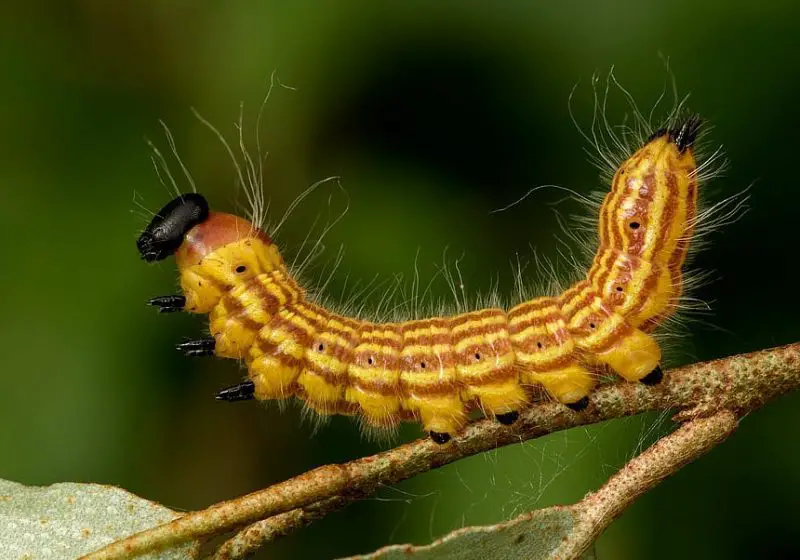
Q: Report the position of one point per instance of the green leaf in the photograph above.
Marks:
(68, 520)
(530, 536)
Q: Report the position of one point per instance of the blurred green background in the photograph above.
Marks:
(433, 114)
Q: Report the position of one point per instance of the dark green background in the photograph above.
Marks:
(433, 114)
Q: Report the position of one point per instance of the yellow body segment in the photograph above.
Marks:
(276, 360)
(374, 374)
(324, 376)
(428, 376)
(546, 352)
(485, 362)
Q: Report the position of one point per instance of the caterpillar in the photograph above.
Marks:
(437, 370)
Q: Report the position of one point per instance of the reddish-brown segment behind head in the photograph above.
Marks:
(218, 230)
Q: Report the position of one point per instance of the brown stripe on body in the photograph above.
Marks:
(619, 189)
(632, 285)
(682, 247)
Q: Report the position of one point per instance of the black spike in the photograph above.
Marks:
(577, 406)
(202, 347)
(168, 304)
(244, 391)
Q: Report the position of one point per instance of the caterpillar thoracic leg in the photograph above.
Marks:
(435, 370)
(202, 347)
(244, 391)
(168, 304)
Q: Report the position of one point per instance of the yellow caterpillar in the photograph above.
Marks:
(436, 370)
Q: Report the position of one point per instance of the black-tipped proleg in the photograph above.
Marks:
(439, 437)
(507, 418)
(244, 391)
(654, 377)
(168, 304)
(202, 347)
(577, 406)
(685, 135)
(166, 230)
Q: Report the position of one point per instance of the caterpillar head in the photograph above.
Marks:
(214, 251)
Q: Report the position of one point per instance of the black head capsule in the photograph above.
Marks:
(166, 231)
(685, 135)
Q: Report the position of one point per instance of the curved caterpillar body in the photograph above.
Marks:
(435, 370)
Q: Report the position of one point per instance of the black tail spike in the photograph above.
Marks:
(244, 391)
(685, 135)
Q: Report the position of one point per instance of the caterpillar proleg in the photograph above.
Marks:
(436, 370)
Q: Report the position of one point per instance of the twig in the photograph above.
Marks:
(596, 511)
(254, 536)
(593, 514)
(740, 383)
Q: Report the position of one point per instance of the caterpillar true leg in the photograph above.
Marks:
(244, 391)
(435, 370)
(202, 347)
(168, 304)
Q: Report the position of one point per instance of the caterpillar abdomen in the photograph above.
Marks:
(435, 370)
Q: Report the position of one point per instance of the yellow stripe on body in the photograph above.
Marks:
(492, 320)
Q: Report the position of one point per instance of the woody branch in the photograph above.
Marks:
(739, 384)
